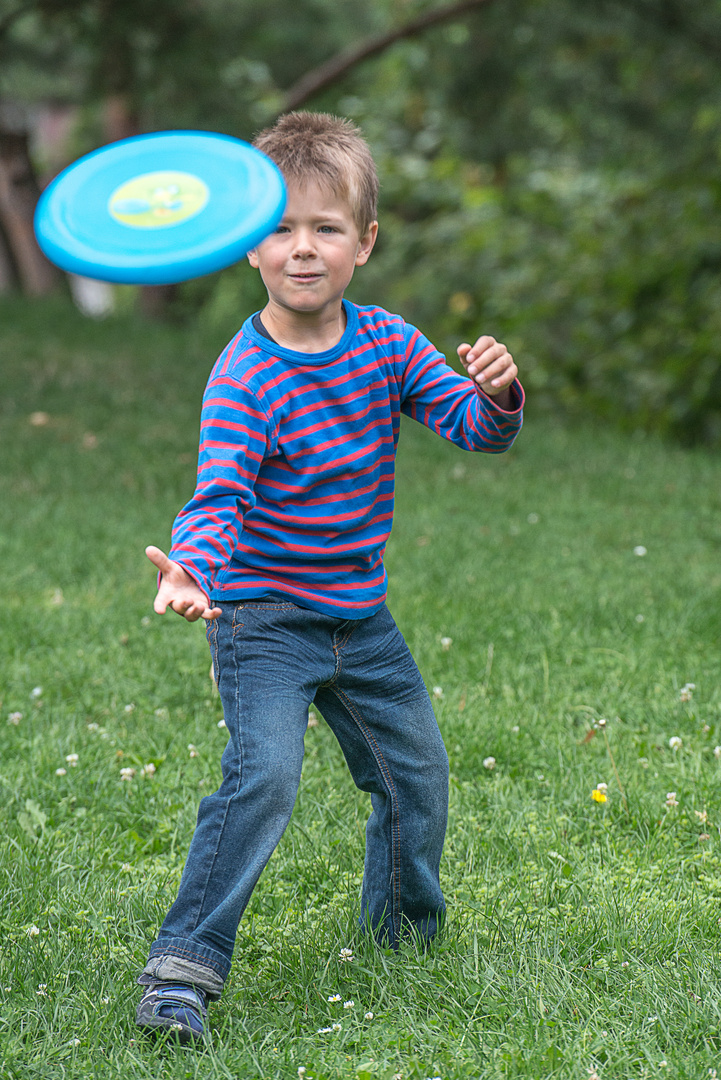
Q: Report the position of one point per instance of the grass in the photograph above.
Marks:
(582, 937)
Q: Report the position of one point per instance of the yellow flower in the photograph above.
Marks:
(598, 796)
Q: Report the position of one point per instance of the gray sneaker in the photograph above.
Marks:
(177, 1007)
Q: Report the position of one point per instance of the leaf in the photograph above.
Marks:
(36, 813)
(32, 820)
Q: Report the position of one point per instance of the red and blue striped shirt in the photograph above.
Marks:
(294, 494)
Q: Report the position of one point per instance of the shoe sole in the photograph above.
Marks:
(157, 1026)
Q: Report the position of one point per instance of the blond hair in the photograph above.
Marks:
(327, 150)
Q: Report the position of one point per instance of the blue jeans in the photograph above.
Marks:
(272, 660)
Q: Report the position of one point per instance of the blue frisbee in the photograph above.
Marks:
(160, 208)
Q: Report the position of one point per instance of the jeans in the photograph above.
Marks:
(272, 660)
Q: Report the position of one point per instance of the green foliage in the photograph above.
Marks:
(549, 169)
(605, 287)
(580, 937)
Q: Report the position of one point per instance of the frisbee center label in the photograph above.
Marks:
(156, 200)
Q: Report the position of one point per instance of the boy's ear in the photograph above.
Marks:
(252, 257)
(365, 244)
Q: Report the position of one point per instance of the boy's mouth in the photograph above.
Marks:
(305, 276)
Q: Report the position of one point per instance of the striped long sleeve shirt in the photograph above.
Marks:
(294, 494)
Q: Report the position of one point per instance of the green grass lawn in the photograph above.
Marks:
(583, 937)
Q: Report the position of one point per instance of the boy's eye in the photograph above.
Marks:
(328, 228)
(282, 229)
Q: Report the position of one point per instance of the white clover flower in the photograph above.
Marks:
(640, 618)
(337, 1027)
(72, 760)
(222, 724)
(75, 1042)
(717, 751)
(602, 787)
(671, 799)
(640, 550)
(42, 990)
(61, 772)
(106, 1001)
(36, 692)
(325, 1031)
(127, 773)
(130, 707)
(302, 1070)
(348, 1004)
(333, 998)
(162, 714)
(437, 691)
(515, 729)
(32, 931)
(675, 742)
(345, 955)
(368, 1016)
(126, 868)
(489, 763)
(146, 620)
(148, 770)
(15, 718)
(686, 692)
(93, 727)
(533, 519)
(193, 750)
(702, 815)
(446, 643)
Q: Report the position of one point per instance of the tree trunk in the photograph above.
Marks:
(156, 301)
(7, 270)
(19, 194)
(121, 121)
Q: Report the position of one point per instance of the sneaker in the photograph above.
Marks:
(169, 1006)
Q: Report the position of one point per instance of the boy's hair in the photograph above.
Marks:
(330, 151)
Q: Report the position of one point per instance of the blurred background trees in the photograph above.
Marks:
(550, 170)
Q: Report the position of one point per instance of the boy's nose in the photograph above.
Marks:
(304, 245)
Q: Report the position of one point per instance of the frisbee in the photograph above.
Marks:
(160, 208)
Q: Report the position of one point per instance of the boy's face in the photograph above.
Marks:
(308, 262)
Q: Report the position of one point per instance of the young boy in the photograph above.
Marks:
(280, 550)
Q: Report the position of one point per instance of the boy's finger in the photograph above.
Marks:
(490, 359)
(160, 606)
(159, 558)
(212, 613)
(494, 368)
(463, 351)
(480, 347)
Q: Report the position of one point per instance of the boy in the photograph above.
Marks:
(280, 550)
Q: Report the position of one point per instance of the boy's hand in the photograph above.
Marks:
(178, 590)
(490, 365)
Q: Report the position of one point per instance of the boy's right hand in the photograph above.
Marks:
(178, 591)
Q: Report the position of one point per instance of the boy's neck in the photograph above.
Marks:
(311, 332)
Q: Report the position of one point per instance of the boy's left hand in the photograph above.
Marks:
(489, 364)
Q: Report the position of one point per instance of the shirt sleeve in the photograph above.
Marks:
(453, 405)
(234, 439)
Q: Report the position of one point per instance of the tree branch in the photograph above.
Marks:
(329, 72)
